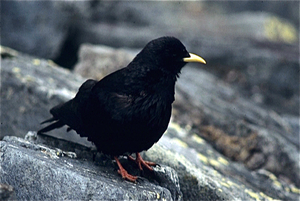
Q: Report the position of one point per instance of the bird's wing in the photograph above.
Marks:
(70, 113)
(125, 95)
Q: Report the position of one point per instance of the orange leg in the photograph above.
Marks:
(124, 173)
(139, 160)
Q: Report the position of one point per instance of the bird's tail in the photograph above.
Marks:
(52, 126)
(49, 120)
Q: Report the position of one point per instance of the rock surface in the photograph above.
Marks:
(27, 25)
(236, 135)
(97, 61)
(130, 24)
(28, 86)
(38, 172)
(7, 192)
(239, 128)
(227, 147)
(256, 50)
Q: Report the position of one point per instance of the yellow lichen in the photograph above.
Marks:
(287, 189)
(175, 126)
(36, 62)
(179, 142)
(278, 30)
(214, 163)
(197, 139)
(272, 176)
(225, 184)
(295, 190)
(223, 160)
(157, 196)
(233, 184)
(52, 63)
(202, 158)
(16, 70)
(265, 196)
(277, 183)
(252, 194)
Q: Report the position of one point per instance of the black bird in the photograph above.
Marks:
(128, 110)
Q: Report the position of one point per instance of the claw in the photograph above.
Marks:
(140, 161)
(124, 173)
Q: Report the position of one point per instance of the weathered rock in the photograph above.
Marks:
(99, 61)
(256, 51)
(210, 173)
(234, 129)
(115, 23)
(207, 176)
(28, 86)
(38, 172)
(6, 192)
(277, 7)
(242, 129)
(235, 117)
(33, 27)
(236, 126)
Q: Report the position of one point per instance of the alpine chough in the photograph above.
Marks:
(128, 110)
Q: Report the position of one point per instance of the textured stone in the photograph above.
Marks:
(38, 172)
(224, 147)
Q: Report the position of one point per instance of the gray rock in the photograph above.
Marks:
(27, 25)
(236, 126)
(27, 89)
(286, 9)
(249, 153)
(99, 61)
(260, 138)
(235, 119)
(6, 192)
(38, 172)
(206, 174)
(256, 50)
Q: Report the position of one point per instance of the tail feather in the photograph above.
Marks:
(49, 120)
(69, 113)
(55, 125)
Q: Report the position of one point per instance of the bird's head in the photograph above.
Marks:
(168, 54)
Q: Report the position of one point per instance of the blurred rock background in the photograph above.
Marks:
(243, 105)
(251, 44)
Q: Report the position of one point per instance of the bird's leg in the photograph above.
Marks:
(140, 161)
(130, 158)
(124, 173)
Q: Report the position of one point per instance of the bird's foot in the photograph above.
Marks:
(141, 162)
(124, 173)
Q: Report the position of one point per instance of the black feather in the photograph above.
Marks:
(128, 110)
(57, 124)
(49, 120)
(70, 112)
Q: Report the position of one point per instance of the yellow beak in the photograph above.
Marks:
(194, 58)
